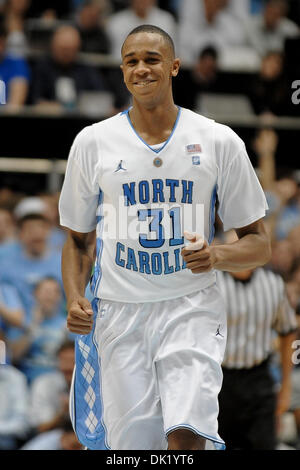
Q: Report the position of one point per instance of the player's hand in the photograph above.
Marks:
(80, 316)
(198, 255)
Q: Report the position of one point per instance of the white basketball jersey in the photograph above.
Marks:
(140, 200)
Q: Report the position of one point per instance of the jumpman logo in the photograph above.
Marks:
(102, 312)
(218, 332)
(120, 167)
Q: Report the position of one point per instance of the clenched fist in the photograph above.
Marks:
(80, 316)
(198, 255)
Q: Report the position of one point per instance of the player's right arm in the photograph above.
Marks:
(77, 261)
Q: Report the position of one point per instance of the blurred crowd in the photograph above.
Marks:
(35, 381)
(64, 55)
(46, 60)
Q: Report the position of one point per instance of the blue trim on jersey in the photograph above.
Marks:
(212, 215)
(147, 145)
(218, 443)
(101, 394)
(71, 400)
(96, 278)
(87, 413)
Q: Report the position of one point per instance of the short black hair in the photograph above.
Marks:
(45, 279)
(149, 28)
(208, 51)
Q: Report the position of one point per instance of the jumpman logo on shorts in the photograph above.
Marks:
(120, 167)
(218, 332)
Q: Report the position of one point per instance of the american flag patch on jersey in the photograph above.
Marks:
(193, 148)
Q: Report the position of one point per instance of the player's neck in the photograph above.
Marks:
(156, 124)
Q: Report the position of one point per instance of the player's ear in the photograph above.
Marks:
(175, 67)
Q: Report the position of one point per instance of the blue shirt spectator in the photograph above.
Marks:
(11, 314)
(9, 249)
(35, 348)
(14, 72)
(288, 219)
(8, 240)
(11, 68)
(11, 307)
(24, 272)
(25, 268)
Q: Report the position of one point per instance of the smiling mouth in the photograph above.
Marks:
(143, 83)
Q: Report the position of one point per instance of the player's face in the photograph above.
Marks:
(148, 67)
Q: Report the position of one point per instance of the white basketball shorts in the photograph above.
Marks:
(156, 367)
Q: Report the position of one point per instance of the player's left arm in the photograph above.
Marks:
(251, 250)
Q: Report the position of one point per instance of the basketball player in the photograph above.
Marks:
(148, 359)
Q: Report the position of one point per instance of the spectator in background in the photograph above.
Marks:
(14, 72)
(33, 260)
(289, 216)
(265, 146)
(57, 235)
(7, 226)
(15, 16)
(59, 78)
(11, 308)
(268, 31)
(283, 194)
(7, 232)
(204, 23)
(90, 23)
(256, 6)
(47, 205)
(50, 9)
(14, 423)
(63, 438)
(202, 78)
(282, 258)
(240, 9)
(140, 12)
(269, 92)
(34, 348)
(293, 287)
(50, 392)
(294, 238)
(11, 314)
